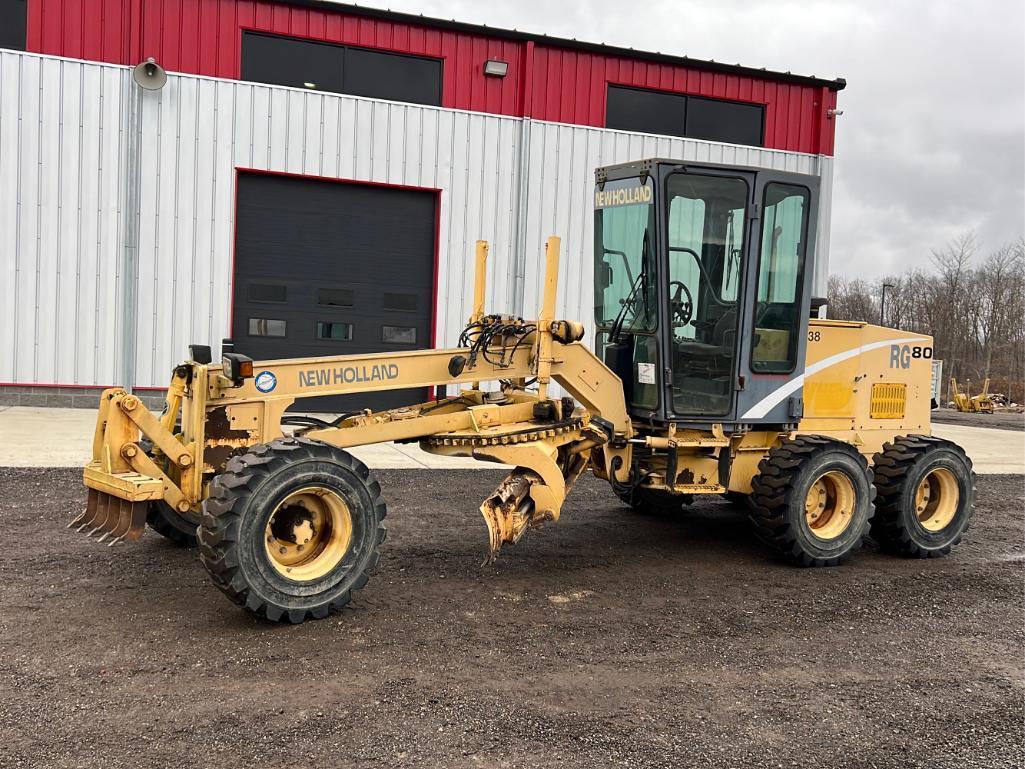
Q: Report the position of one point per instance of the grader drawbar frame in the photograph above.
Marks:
(215, 412)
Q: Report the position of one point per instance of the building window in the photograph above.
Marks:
(398, 334)
(399, 302)
(267, 327)
(268, 292)
(383, 75)
(631, 109)
(673, 114)
(291, 62)
(12, 24)
(724, 121)
(334, 331)
(340, 69)
(335, 297)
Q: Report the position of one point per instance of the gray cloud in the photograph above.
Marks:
(932, 142)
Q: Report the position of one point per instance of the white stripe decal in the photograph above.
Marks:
(766, 404)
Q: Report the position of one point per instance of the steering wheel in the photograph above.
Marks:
(682, 309)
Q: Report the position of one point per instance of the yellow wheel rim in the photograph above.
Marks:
(308, 534)
(829, 505)
(936, 499)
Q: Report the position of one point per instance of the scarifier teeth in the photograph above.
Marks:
(494, 533)
(507, 512)
(109, 516)
(95, 511)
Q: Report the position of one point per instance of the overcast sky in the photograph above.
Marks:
(932, 139)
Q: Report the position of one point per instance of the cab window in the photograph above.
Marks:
(625, 285)
(781, 260)
(706, 242)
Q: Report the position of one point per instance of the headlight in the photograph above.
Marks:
(237, 367)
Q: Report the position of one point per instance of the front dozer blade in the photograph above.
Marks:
(109, 516)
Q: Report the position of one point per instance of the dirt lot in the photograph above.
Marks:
(1001, 420)
(607, 640)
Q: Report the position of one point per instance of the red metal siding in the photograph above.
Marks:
(98, 30)
(204, 37)
(573, 84)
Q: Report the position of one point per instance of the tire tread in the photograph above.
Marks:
(772, 494)
(891, 467)
(218, 532)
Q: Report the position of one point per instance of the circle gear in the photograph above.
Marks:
(506, 437)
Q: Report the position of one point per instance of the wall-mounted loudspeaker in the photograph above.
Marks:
(149, 75)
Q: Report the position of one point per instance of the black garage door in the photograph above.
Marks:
(327, 268)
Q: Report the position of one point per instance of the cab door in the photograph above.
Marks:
(778, 297)
(706, 216)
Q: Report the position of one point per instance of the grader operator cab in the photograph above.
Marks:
(709, 375)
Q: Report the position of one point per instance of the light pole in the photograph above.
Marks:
(882, 304)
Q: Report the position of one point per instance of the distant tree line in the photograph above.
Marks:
(972, 305)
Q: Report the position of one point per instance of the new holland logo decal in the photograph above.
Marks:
(623, 196)
(336, 375)
(266, 381)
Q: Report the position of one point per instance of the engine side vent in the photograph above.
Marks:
(888, 400)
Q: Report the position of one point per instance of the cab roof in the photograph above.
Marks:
(637, 167)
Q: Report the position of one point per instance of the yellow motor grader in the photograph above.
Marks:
(708, 375)
(964, 401)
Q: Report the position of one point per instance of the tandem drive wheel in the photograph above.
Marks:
(291, 528)
(926, 496)
(812, 500)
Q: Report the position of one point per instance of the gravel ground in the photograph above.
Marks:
(1001, 420)
(608, 639)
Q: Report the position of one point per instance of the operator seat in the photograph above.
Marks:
(716, 347)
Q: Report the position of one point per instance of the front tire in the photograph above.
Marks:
(926, 496)
(812, 500)
(179, 528)
(292, 528)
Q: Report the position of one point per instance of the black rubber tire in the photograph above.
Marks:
(654, 501)
(899, 468)
(243, 498)
(169, 523)
(784, 477)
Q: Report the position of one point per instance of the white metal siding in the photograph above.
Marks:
(62, 155)
(60, 160)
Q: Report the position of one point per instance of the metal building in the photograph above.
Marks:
(312, 176)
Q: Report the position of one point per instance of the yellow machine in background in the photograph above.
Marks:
(709, 378)
(976, 404)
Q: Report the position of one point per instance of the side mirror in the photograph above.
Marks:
(605, 276)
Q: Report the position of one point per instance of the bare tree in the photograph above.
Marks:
(975, 314)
